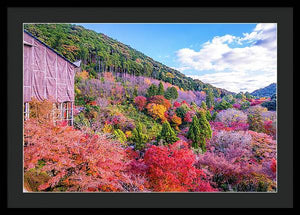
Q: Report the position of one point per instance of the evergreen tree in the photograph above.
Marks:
(223, 105)
(208, 115)
(213, 117)
(160, 90)
(205, 129)
(203, 105)
(138, 137)
(171, 93)
(207, 112)
(167, 134)
(152, 90)
(209, 98)
(199, 131)
(194, 133)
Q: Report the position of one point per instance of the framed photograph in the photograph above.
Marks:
(150, 108)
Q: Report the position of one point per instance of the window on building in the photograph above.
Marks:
(64, 110)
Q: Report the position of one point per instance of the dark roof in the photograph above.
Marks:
(50, 48)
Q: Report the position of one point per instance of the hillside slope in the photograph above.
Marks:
(267, 91)
(100, 53)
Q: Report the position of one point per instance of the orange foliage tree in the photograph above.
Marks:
(176, 121)
(161, 100)
(157, 111)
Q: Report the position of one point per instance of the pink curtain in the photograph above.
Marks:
(46, 74)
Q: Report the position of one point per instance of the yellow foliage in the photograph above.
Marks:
(157, 111)
(78, 91)
(176, 121)
(128, 134)
(43, 110)
(94, 114)
(107, 128)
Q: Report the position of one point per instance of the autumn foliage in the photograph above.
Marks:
(140, 102)
(157, 111)
(77, 161)
(171, 168)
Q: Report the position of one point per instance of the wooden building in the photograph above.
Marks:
(47, 75)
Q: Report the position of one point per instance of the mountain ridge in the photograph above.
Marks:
(267, 91)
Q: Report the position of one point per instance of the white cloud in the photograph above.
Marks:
(238, 81)
(235, 68)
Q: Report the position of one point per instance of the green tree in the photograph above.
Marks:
(194, 133)
(245, 105)
(271, 105)
(138, 137)
(240, 95)
(171, 93)
(152, 90)
(223, 105)
(203, 105)
(160, 90)
(208, 115)
(199, 131)
(256, 122)
(248, 95)
(229, 98)
(213, 117)
(182, 110)
(167, 134)
(209, 98)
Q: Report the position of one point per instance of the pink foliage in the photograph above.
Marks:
(78, 161)
(140, 102)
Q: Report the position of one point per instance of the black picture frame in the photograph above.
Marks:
(16, 16)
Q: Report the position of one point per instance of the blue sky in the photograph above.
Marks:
(212, 53)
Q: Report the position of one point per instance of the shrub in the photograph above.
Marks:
(120, 135)
(171, 168)
(233, 145)
(140, 102)
(176, 121)
(235, 176)
(76, 161)
(230, 116)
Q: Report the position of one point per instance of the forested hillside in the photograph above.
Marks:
(267, 91)
(139, 126)
(100, 53)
